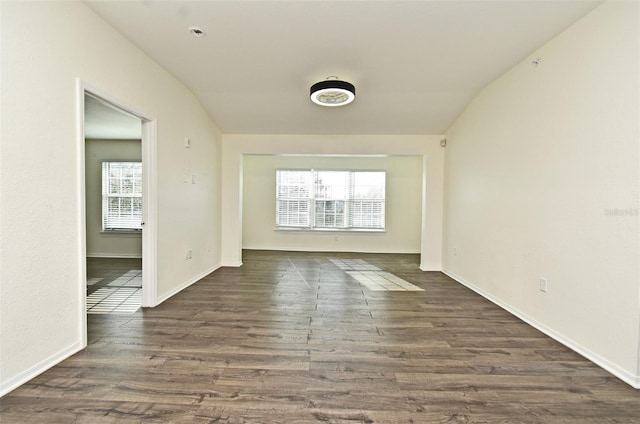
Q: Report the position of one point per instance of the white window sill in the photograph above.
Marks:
(122, 232)
(332, 230)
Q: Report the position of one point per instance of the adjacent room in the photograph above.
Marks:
(288, 211)
(114, 218)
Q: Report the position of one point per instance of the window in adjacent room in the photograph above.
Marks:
(121, 196)
(324, 199)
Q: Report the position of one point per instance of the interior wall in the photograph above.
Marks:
(107, 244)
(235, 147)
(46, 48)
(542, 181)
(403, 214)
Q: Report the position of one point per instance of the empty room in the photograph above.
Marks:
(350, 211)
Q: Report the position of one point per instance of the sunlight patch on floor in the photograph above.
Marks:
(382, 281)
(107, 300)
(372, 277)
(123, 295)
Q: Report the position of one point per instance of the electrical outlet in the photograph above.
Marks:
(188, 254)
(543, 284)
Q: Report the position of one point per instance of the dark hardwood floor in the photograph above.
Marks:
(106, 270)
(114, 285)
(290, 338)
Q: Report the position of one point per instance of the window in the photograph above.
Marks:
(121, 196)
(319, 199)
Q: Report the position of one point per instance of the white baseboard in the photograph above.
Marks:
(39, 368)
(186, 284)
(115, 255)
(622, 374)
(430, 267)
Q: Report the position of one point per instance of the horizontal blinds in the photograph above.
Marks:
(330, 199)
(121, 195)
(367, 200)
(293, 202)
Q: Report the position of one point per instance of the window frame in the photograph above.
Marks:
(106, 197)
(348, 200)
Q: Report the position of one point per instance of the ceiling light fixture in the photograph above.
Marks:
(196, 32)
(332, 92)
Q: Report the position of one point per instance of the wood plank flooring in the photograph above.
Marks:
(114, 285)
(290, 338)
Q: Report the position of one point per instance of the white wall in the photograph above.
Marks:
(46, 46)
(403, 205)
(99, 243)
(235, 147)
(542, 175)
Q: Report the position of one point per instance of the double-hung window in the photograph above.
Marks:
(327, 199)
(293, 198)
(121, 196)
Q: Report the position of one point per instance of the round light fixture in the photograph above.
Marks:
(332, 92)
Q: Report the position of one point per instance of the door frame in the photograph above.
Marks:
(149, 200)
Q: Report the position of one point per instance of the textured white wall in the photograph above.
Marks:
(403, 205)
(235, 146)
(46, 47)
(542, 175)
(101, 244)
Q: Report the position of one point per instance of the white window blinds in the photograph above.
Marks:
(293, 198)
(367, 200)
(330, 199)
(121, 195)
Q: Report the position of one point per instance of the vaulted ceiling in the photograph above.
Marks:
(415, 64)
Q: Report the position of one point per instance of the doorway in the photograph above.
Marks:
(113, 208)
(114, 132)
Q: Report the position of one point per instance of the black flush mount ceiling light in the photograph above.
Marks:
(332, 92)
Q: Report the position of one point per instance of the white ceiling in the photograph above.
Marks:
(415, 64)
(105, 121)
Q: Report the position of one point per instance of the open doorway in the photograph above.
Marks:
(113, 208)
(121, 129)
